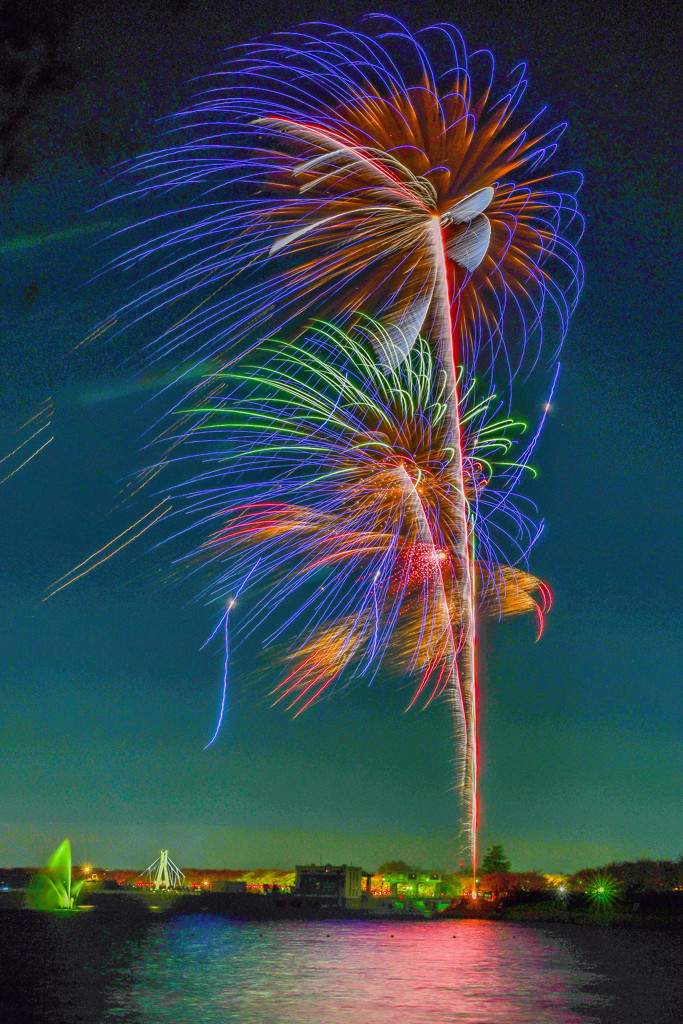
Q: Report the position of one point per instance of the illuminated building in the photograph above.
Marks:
(335, 883)
(413, 884)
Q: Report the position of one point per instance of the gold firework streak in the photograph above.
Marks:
(30, 446)
(111, 548)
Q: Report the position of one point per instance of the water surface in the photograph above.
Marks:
(354, 973)
(203, 969)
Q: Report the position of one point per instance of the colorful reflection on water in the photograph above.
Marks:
(202, 969)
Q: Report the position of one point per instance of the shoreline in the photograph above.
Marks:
(126, 904)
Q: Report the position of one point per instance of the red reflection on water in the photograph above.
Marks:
(332, 972)
(474, 972)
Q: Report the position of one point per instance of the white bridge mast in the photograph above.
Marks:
(163, 873)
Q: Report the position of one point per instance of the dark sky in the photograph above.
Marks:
(107, 700)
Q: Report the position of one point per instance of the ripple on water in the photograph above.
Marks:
(203, 969)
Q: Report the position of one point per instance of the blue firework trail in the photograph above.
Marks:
(226, 661)
(223, 621)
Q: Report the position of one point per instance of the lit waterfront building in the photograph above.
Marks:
(411, 885)
(333, 882)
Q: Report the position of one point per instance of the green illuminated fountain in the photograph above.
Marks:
(52, 888)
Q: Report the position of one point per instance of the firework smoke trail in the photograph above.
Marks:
(332, 182)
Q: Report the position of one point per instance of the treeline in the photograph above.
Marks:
(628, 876)
(635, 875)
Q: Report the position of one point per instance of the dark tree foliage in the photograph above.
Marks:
(634, 876)
(36, 59)
(395, 867)
(512, 883)
(494, 861)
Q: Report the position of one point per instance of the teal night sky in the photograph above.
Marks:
(107, 700)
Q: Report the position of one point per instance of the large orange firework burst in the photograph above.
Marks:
(343, 174)
(326, 171)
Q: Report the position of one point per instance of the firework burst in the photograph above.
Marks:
(327, 478)
(353, 174)
(318, 176)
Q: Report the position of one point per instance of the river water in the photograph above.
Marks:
(81, 969)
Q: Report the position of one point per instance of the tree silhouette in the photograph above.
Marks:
(494, 861)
